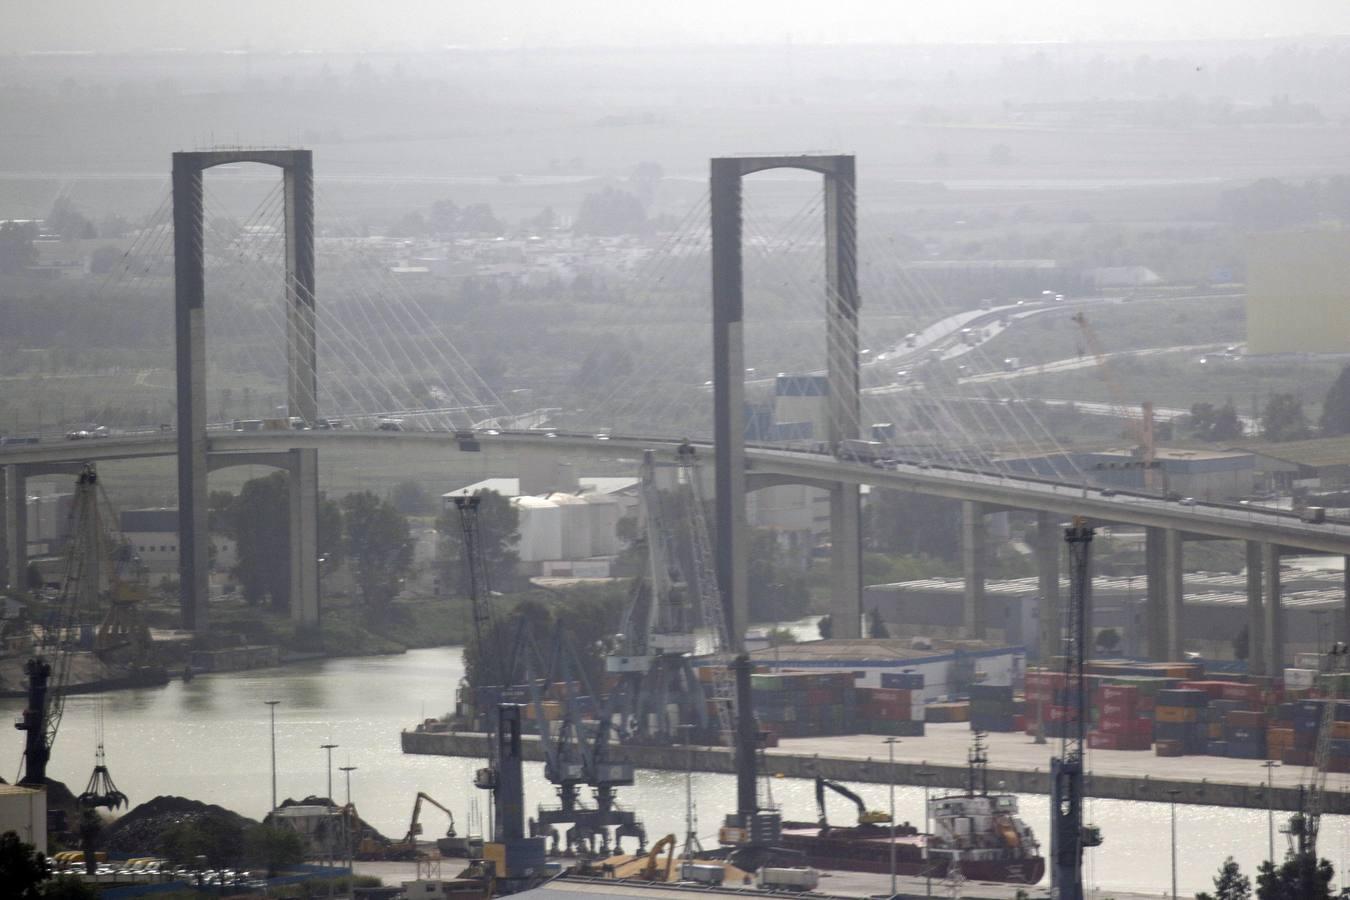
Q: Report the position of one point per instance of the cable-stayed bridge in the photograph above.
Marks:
(358, 361)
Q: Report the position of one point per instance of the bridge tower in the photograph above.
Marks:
(297, 168)
(841, 324)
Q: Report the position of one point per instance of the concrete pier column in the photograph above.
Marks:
(1256, 622)
(1274, 613)
(973, 555)
(846, 561)
(15, 516)
(304, 514)
(1047, 565)
(1345, 605)
(1155, 609)
(1175, 593)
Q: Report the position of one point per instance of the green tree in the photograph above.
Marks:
(498, 536)
(272, 848)
(411, 498)
(780, 637)
(1229, 884)
(378, 546)
(22, 867)
(68, 887)
(1108, 640)
(220, 841)
(876, 628)
(914, 524)
(1227, 426)
(825, 625)
(1335, 418)
(259, 521)
(66, 220)
(16, 247)
(1299, 877)
(778, 590)
(1283, 419)
(329, 543)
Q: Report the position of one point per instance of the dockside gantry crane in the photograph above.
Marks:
(1069, 836)
(675, 614)
(1305, 825)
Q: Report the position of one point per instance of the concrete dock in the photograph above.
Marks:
(1015, 761)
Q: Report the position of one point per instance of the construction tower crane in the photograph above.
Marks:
(1305, 824)
(1140, 426)
(1069, 837)
(479, 587)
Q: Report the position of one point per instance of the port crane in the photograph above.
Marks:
(1305, 825)
(675, 613)
(122, 634)
(1069, 836)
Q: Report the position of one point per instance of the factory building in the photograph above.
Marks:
(565, 531)
(23, 810)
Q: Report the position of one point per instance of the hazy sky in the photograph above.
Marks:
(119, 25)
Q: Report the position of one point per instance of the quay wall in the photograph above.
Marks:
(1021, 781)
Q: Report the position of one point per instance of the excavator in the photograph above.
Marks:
(867, 818)
(450, 845)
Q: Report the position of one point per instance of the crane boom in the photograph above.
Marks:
(1141, 425)
(707, 594)
(1315, 796)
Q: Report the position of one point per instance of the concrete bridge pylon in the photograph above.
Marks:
(842, 376)
(297, 168)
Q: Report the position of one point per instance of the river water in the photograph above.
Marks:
(209, 740)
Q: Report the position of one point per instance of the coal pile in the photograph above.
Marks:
(363, 828)
(138, 832)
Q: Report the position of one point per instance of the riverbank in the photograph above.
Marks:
(1016, 764)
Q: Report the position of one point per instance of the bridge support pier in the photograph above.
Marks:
(974, 548)
(1175, 592)
(1047, 564)
(1256, 622)
(846, 561)
(304, 501)
(1345, 605)
(1155, 609)
(14, 521)
(1272, 609)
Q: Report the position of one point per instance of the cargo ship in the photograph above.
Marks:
(975, 832)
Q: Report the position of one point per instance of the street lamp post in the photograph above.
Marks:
(272, 704)
(1173, 795)
(890, 751)
(348, 770)
(330, 748)
(1270, 765)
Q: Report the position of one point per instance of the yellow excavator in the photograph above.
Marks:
(866, 817)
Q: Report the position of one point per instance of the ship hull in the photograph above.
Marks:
(852, 850)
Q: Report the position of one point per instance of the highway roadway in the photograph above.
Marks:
(1217, 520)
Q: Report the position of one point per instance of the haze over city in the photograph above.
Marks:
(863, 448)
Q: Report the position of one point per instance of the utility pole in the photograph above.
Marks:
(273, 709)
(1270, 765)
(1173, 795)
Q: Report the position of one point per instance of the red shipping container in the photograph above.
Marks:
(1115, 725)
(1099, 740)
(1147, 702)
(1119, 710)
(1119, 693)
(1143, 730)
(1247, 693)
(1019, 722)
